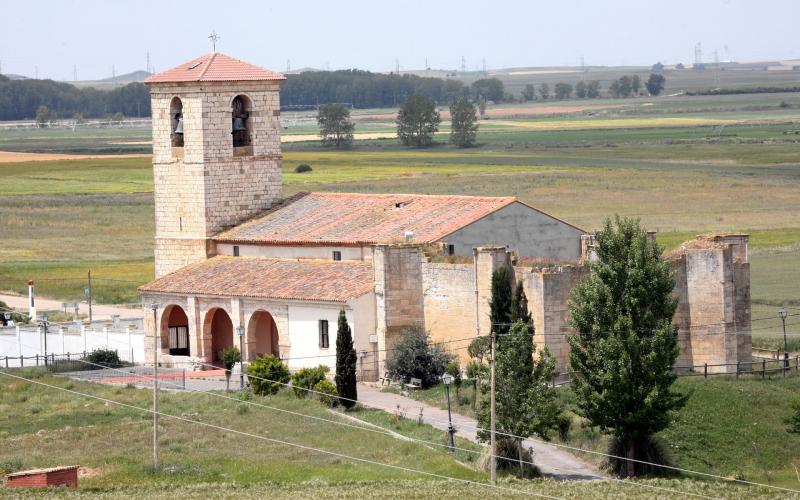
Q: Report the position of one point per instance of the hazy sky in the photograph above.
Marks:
(94, 35)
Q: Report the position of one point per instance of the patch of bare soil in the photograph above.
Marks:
(15, 157)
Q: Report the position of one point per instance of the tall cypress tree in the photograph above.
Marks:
(345, 364)
(519, 307)
(626, 344)
(500, 305)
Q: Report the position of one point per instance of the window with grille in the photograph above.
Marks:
(337, 255)
(179, 340)
(235, 250)
(323, 334)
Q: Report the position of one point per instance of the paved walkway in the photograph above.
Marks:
(552, 461)
(99, 311)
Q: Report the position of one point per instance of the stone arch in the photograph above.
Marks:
(241, 122)
(262, 335)
(219, 328)
(176, 122)
(174, 331)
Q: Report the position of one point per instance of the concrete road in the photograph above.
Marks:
(551, 460)
(99, 311)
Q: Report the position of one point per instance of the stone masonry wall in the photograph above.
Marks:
(449, 294)
(398, 294)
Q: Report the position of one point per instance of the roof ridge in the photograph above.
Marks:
(208, 65)
(420, 195)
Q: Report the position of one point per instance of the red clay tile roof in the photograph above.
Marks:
(214, 67)
(260, 277)
(357, 219)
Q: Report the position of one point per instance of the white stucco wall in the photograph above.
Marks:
(524, 230)
(298, 252)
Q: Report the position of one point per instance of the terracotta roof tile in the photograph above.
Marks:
(214, 67)
(260, 277)
(349, 218)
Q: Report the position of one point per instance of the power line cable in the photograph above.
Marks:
(282, 442)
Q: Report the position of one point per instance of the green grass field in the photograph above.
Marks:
(668, 161)
(42, 426)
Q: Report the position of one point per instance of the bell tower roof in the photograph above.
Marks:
(214, 67)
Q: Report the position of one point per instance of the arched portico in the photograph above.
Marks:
(174, 331)
(262, 335)
(219, 327)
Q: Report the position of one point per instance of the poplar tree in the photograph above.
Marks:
(626, 344)
(463, 120)
(345, 364)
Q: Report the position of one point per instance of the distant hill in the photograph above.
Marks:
(134, 76)
(12, 76)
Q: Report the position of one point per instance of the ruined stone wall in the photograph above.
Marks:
(548, 294)
(208, 185)
(398, 294)
(450, 305)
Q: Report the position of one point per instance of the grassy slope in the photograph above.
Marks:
(41, 427)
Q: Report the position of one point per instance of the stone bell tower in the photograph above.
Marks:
(216, 153)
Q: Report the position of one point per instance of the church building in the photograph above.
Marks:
(233, 256)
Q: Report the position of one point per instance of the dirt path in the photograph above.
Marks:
(551, 460)
(14, 157)
(99, 311)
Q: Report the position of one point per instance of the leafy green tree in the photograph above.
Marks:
(655, 84)
(345, 364)
(544, 91)
(464, 126)
(625, 344)
(44, 115)
(335, 126)
(415, 357)
(230, 356)
(563, 90)
(580, 90)
(593, 89)
(490, 89)
(636, 84)
(529, 92)
(417, 121)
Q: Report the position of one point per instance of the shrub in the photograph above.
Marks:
(10, 465)
(104, 357)
(414, 357)
(509, 454)
(302, 168)
(793, 421)
(267, 374)
(326, 392)
(242, 408)
(307, 378)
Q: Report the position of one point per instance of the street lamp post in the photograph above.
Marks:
(240, 331)
(156, 339)
(782, 312)
(448, 379)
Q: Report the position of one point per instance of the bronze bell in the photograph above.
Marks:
(238, 124)
(179, 125)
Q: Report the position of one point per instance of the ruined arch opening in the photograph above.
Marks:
(174, 331)
(176, 122)
(262, 335)
(241, 121)
(219, 327)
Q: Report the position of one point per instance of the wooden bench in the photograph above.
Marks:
(414, 383)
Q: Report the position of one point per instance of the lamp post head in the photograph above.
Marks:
(44, 317)
(783, 312)
(447, 379)
(240, 330)
(154, 306)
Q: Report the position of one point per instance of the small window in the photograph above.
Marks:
(235, 250)
(241, 124)
(451, 249)
(323, 334)
(337, 255)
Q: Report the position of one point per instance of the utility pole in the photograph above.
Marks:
(493, 462)
(75, 72)
(36, 72)
(782, 312)
(89, 295)
(154, 307)
(148, 61)
(463, 65)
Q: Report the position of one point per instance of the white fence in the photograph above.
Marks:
(23, 345)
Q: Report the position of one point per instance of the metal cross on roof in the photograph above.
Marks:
(214, 37)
